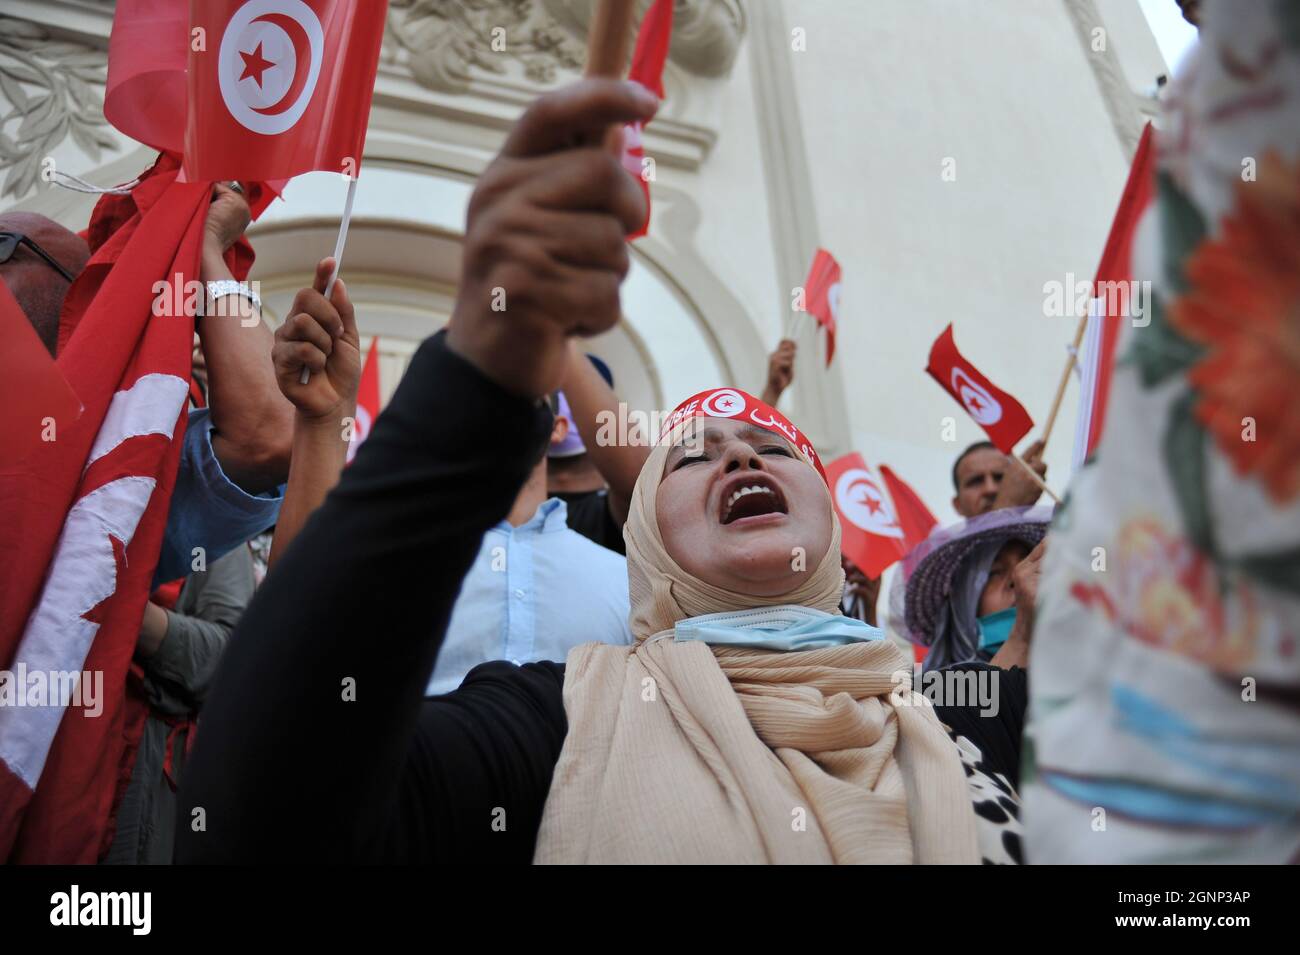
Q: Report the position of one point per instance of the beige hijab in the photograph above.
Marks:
(683, 753)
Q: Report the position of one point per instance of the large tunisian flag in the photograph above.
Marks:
(1003, 418)
(281, 87)
(84, 518)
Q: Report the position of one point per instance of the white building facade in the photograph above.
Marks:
(954, 155)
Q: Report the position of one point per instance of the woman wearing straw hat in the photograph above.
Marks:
(750, 722)
(967, 591)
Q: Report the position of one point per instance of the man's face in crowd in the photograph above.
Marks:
(36, 285)
(1000, 592)
(735, 505)
(978, 477)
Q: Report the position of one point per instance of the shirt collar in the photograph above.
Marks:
(551, 515)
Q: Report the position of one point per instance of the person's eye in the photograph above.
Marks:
(688, 459)
(774, 449)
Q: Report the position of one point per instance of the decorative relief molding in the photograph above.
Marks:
(446, 44)
(706, 33)
(54, 90)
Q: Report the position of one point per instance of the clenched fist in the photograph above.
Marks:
(320, 335)
(544, 251)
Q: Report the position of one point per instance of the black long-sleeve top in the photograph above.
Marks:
(317, 744)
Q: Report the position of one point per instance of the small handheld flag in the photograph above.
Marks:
(1003, 418)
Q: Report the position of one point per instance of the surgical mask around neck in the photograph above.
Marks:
(784, 627)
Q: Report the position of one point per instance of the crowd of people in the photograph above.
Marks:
(494, 637)
(513, 560)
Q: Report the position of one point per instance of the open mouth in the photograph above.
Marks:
(751, 496)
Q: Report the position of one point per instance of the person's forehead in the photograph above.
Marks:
(985, 459)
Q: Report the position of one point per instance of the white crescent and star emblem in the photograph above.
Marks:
(723, 404)
(833, 299)
(269, 63)
(864, 504)
(981, 405)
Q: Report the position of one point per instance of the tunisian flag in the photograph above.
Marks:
(1116, 266)
(367, 400)
(648, 70)
(822, 296)
(1003, 418)
(84, 519)
(281, 87)
(914, 517)
(870, 533)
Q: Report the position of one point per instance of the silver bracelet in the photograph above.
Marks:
(226, 287)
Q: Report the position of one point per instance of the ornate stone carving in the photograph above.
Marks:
(52, 92)
(444, 41)
(706, 33)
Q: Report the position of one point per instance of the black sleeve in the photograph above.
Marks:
(997, 734)
(479, 769)
(307, 737)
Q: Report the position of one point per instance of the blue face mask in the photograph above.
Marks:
(995, 628)
(784, 627)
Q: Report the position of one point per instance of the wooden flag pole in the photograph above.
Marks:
(607, 39)
(1065, 380)
(1042, 485)
(338, 256)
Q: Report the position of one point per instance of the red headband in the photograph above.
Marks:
(733, 403)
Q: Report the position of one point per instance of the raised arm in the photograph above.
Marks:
(252, 422)
(322, 336)
(590, 399)
(312, 723)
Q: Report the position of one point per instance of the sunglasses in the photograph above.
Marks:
(9, 242)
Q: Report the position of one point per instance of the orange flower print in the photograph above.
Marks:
(1244, 306)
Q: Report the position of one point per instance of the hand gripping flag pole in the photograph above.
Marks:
(338, 255)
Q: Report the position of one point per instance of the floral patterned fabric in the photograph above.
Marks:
(1164, 720)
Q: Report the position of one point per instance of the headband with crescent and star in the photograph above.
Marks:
(734, 403)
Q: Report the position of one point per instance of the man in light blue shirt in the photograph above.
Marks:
(536, 590)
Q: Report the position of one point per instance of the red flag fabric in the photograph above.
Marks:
(282, 87)
(647, 69)
(34, 395)
(914, 517)
(367, 400)
(822, 296)
(1116, 266)
(869, 530)
(147, 53)
(84, 518)
(147, 95)
(1003, 418)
